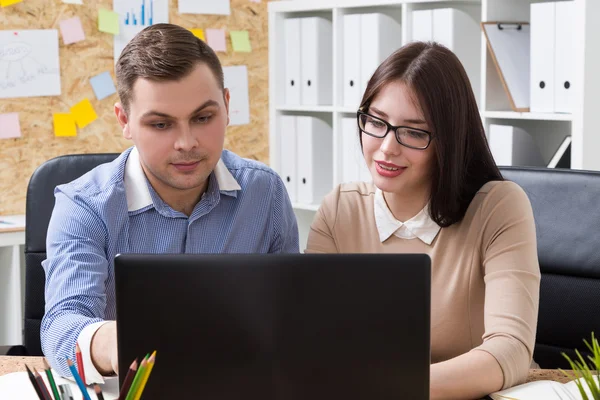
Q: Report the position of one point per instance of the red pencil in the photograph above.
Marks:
(80, 363)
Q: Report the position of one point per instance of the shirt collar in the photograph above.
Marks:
(420, 226)
(136, 185)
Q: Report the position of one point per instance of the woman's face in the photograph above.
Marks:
(394, 167)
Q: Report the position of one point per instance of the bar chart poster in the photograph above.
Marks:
(135, 15)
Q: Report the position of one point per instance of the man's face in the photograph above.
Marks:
(178, 128)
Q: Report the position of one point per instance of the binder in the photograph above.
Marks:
(509, 47)
(380, 36)
(542, 57)
(315, 166)
(563, 57)
(288, 155)
(353, 89)
(513, 146)
(316, 60)
(292, 60)
(422, 25)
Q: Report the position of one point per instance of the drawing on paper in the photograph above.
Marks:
(29, 64)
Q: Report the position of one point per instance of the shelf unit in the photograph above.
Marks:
(548, 130)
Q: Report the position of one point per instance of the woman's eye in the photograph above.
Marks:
(377, 124)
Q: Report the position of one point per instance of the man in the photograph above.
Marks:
(175, 191)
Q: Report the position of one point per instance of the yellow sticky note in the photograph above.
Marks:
(108, 21)
(240, 41)
(64, 125)
(83, 113)
(199, 33)
(5, 3)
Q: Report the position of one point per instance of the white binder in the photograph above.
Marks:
(292, 60)
(316, 55)
(542, 82)
(288, 155)
(315, 166)
(513, 146)
(564, 55)
(380, 36)
(422, 25)
(350, 150)
(353, 89)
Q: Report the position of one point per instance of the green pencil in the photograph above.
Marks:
(51, 380)
(138, 378)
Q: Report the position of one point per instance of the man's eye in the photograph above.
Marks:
(203, 119)
(161, 126)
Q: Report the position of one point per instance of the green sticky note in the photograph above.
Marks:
(108, 21)
(240, 41)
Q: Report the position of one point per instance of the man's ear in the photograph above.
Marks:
(123, 120)
(226, 99)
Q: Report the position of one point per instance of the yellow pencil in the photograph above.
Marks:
(145, 377)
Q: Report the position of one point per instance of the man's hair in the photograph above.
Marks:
(463, 159)
(162, 52)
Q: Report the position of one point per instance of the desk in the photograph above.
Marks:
(12, 241)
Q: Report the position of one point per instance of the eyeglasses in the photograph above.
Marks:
(413, 138)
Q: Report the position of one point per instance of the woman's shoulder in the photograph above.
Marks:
(501, 198)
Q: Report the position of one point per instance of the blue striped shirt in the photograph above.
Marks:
(113, 209)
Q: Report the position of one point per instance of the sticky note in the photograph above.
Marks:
(216, 39)
(5, 3)
(9, 126)
(64, 125)
(83, 113)
(199, 33)
(240, 41)
(71, 30)
(103, 85)
(108, 21)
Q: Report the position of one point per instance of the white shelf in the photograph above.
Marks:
(527, 116)
(323, 109)
(347, 110)
(307, 207)
(314, 5)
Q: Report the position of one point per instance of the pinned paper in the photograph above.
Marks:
(103, 85)
(71, 30)
(199, 33)
(108, 21)
(5, 3)
(214, 7)
(9, 126)
(29, 63)
(64, 125)
(73, 1)
(216, 39)
(83, 113)
(236, 80)
(240, 41)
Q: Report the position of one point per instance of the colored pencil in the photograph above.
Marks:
(51, 380)
(79, 359)
(145, 377)
(42, 385)
(98, 392)
(34, 383)
(128, 380)
(138, 377)
(77, 378)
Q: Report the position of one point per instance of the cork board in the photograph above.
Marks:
(80, 61)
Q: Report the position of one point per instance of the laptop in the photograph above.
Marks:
(277, 326)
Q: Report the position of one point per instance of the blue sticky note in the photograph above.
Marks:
(103, 85)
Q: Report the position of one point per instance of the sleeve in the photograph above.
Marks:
(76, 269)
(321, 238)
(285, 226)
(512, 280)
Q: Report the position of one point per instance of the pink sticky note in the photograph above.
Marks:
(9, 126)
(71, 30)
(216, 39)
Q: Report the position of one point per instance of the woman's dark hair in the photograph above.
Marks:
(464, 162)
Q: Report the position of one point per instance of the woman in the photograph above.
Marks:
(425, 146)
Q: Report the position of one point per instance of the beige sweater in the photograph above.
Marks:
(485, 272)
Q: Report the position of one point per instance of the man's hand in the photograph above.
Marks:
(104, 349)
